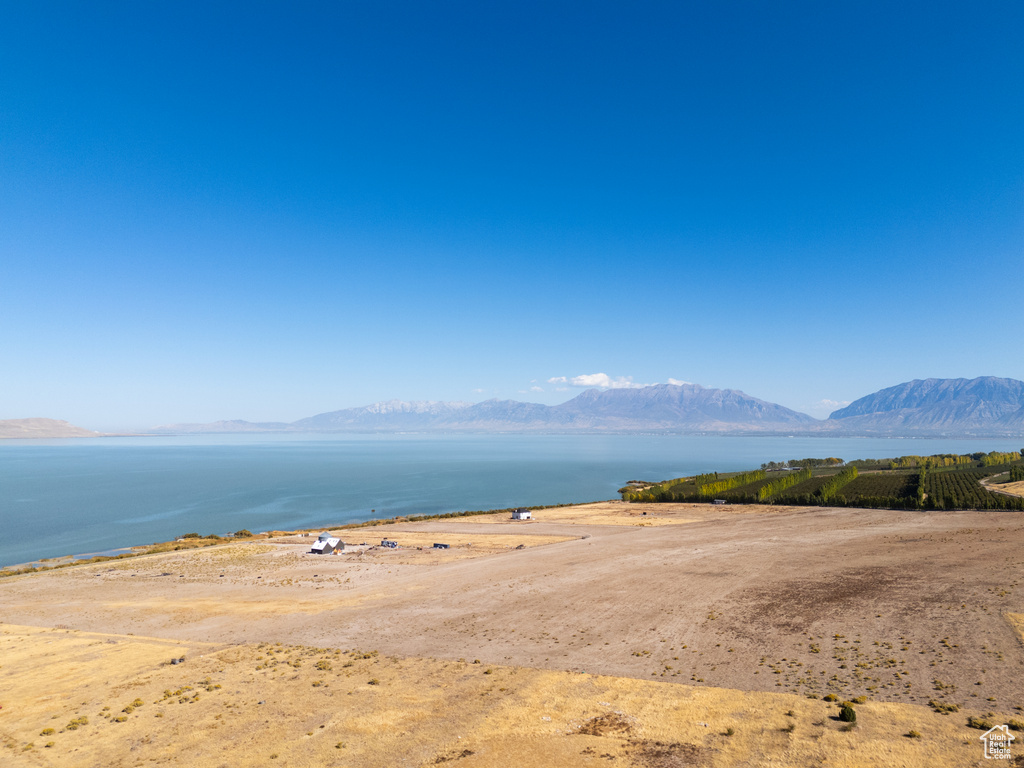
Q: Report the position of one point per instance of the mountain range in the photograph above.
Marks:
(660, 408)
(985, 406)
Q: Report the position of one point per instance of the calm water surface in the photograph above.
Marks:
(60, 497)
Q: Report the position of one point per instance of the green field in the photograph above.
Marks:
(943, 481)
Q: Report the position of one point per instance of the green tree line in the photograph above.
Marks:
(787, 481)
(995, 458)
(834, 484)
(713, 489)
(831, 461)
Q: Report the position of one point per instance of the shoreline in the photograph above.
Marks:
(139, 550)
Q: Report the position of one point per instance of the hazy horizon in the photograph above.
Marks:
(266, 213)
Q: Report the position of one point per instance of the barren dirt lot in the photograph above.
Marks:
(899, 607)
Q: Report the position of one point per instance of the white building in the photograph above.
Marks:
(326, 544)
(522, 514)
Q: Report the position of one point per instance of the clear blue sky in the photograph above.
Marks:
(270, 210)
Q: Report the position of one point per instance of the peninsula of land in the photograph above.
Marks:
(40, 428)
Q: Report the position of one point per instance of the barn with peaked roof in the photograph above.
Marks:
(326, 544)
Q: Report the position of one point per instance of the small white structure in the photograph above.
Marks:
(326, 544)
(522, 514)
(719, 501)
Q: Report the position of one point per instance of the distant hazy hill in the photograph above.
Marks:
(664, 407)
(982, 406)
(41, 428)
(689, 407)
(393, 415)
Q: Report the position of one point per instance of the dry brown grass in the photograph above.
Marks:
(416, 547)
(1017, 622)
(241, 705)
(623, 513)
(598, 513)
(1015, 489)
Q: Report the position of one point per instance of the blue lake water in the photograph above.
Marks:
(61, 497)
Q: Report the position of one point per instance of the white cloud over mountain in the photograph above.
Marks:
(827, 406)
(601, 380)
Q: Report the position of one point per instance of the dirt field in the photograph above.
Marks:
(729, 616)
(620, 513)
(416, 544)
